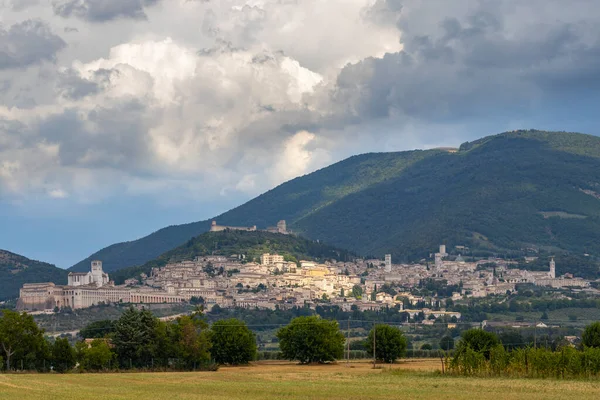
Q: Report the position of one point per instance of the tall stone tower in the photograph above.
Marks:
(388, 263)
(552, 268)
(281, 226)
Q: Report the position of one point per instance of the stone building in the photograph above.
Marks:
(85, 290)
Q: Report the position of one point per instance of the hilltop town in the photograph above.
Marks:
(271, 281)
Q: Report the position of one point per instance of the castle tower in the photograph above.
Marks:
(552, 268)
(388, 263)
(281, 226)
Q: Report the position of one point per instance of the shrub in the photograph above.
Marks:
(591, 335)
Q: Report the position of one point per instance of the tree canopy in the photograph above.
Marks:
(233, 342)
(390, 343)
(311, 340)
(591, 335)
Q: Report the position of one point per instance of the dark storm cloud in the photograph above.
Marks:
(102, 138)
(472, 65)
(102, 10)
(27, 43)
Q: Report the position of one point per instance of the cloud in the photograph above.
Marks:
(224, 99)
(27, 43)
(473, 60)
(20, 5)
(103, 10)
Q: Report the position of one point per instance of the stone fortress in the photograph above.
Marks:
(280, 228)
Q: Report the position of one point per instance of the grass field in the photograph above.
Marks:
(408, 380)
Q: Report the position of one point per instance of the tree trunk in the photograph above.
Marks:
(9, 354)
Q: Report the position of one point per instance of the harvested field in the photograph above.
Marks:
(277, 380)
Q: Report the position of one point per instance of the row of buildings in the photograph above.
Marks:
(277, 283)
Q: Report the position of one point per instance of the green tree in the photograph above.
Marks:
(94, 357)
(233, 342)
(390, 343)
(477, 340)
(591, 335)
(357, 291)
(447, 343)
(193, 341)
(426, 346)
(19, 336)
(311, 339)
(63, 355)
(135, 338)
(98, 329)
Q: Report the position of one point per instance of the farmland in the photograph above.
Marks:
(276, 380)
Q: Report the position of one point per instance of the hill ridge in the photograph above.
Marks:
(407, 202)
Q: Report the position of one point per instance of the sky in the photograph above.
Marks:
(120, 117)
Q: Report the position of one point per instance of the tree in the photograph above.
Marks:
(544, 316)
(591, 335)
(134, 337)
(63, 355)
(98, 329)
(311, 339)
(390, 343)
(94, 357)
(447, 343)
(426, 346)
(192, 339)
(477, 340)
(233, 342)
(19, 335)
(357, 291)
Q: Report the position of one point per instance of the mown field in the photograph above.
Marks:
(407, 380)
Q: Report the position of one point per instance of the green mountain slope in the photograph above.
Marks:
(251, 244)
(15, 270)
(290, 201)
(499, 194)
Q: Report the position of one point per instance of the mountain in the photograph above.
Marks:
(15, 270)
(510, 193)
(250, 244)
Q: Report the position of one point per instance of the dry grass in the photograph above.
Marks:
(277, 380)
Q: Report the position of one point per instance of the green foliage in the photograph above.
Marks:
(591, 335)
(21, 341)
(96, 356)
(478, 340)
(310, 340)
(63, 355)
(135, 337)
(390, 344)
(252, 244)
(98, 329)
(233, 342)
(192, 341)
(566, 362)
(15, 270)
(357, 291)
(447, 343)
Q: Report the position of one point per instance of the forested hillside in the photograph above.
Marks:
(15, 270)
(502, 194)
